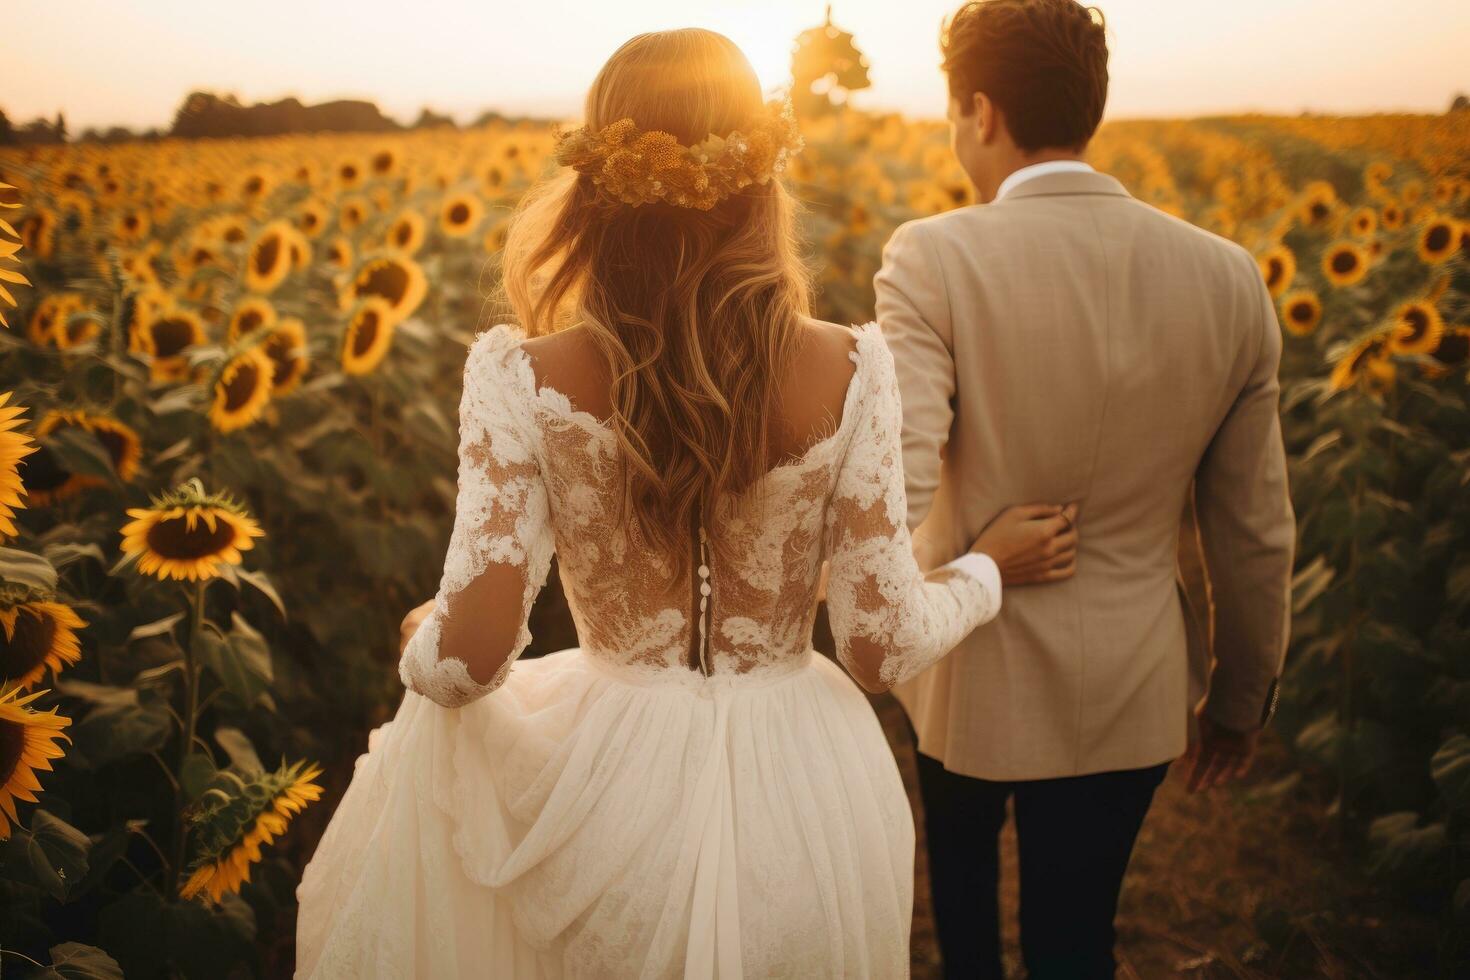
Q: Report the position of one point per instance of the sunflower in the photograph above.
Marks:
(232, 229)
(164, 339)
(300, 248)
(191, 256)
(27, 744)
(383, 162)
(1438, 240)
(286, 347)
(187, 533)
(350, 174)
(407, 233)
(269, 258)
(1366, 361)
(1417, 327)
(460, 214)
(1391, 217)
(36, 635)
(242, 389)
(352, 213)
(1278, 268)
(1318, 200)
(494, 178)
(14, 447)
(1363, 222)
(369, 335)
(229, 835)
(37, 232)
(252, 314)
(1345, 264)
(77, 328)
(132, 225)
(339, 253)
(49, 482)
(1301, 311)
(396, 279)
(141, 307)
(311, 218)
(255, 186)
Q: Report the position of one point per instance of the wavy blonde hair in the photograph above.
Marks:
(697, 313)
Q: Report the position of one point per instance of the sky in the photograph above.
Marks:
(106, 62)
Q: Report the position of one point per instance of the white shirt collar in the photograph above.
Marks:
(1040, 170)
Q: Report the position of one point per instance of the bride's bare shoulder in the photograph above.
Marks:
(825, 350)
(815, 389)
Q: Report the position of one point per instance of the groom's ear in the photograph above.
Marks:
(985, 117)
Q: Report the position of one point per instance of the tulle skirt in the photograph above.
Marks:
(590, 820)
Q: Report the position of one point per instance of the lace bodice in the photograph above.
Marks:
(537, 476)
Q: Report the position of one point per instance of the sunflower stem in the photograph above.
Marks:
(186, 742)
(19, 955)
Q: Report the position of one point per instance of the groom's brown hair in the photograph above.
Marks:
(1043, 63)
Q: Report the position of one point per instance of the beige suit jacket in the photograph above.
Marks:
(1071, 343)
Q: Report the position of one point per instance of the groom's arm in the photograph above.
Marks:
(1249, 535)
(913, 310)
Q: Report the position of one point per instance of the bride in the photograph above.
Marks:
(692, 791)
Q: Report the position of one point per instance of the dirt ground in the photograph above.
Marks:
(1241, 883)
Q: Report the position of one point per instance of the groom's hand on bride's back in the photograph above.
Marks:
(1033, 544)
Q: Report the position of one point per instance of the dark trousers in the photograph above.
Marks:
(1075, 836)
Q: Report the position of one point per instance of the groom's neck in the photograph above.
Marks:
(1017, 159)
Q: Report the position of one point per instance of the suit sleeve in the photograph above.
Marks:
(913, 312)
(1249, 535)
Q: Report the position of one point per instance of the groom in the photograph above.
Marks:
(1067, 342)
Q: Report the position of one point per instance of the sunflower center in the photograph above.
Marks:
(173, 538)
(79, 330)
(114, 442)
(368, 326)
(241, 386)
(267, 253)
(386, 279)
(247, 321)
(403, 233)
(171, 335)
(27, 649)
(1344, 262)
(1274, 269)
(1301, 312)
(1416, 322)
(1438, 238)
(43, 471)
(1319, 211)
(1369, 351)
(459, 214)
(12, 745)
(278, 348)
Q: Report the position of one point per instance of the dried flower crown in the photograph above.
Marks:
(641, 166)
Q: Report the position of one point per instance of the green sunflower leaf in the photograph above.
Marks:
(24, 568)
(76, 961)
(1450, 768)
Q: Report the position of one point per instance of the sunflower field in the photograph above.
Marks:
(228, 372)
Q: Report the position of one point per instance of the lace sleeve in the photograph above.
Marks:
(501, 545)
(889, 619)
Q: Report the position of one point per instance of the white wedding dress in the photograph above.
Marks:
(607, 811)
